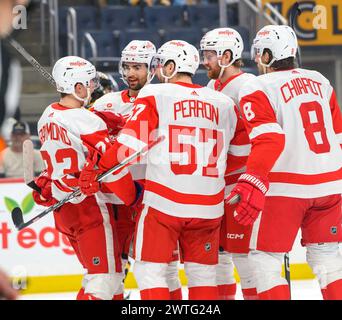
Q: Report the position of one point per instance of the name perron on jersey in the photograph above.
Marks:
(300, 104)
(185, 172)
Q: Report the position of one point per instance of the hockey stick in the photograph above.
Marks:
(295, 12)
(17, 214)
(31, 60)
(28, 165)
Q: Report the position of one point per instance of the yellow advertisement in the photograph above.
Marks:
(319, 24)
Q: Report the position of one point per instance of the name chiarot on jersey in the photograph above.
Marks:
(300, 86)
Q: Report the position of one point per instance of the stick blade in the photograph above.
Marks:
(17, 217)
(234, 200)
(28, 159)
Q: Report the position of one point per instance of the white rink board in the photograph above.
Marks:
(37, 250)
(40, 250)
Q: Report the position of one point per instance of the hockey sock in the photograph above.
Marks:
(250, 294)
(226, 291)
(80, 294)
(334, 290)
(155, 294)
(203, 293)
(281, 292)
(176, 294)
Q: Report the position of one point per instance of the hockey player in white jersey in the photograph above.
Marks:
(71, 138)
(135, 72)
(295, 127)
(221, 51)
(184, 188)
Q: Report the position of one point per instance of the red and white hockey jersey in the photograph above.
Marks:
(299, 107)
(68, 136)
(231, 88)
(185, 172)
(121, 103)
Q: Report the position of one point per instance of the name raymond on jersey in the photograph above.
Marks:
(197, 109)
(52, 131)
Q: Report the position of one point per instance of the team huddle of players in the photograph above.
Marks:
(243, 164)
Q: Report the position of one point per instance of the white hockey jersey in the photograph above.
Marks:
(301, 106)
(68, 136)
(121, 103)
(231, 88)
(185, 172)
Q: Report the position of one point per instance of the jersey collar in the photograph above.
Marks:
(126, 98)
(189, 85)
(219, 85)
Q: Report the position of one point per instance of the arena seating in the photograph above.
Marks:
(112, 27)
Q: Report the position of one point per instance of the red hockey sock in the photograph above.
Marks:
(203, 293)
(176, 294)
(250, 294)
(118, 296)
(80, 294)
(334, 290)
(324, 294)
(281, 292)
(88, 296)
(155, 294)
(226, 291)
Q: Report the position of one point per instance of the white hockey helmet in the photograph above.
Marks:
(184, 55)
(138, 51)
(70, 70)
(222, 39)
(280, 40)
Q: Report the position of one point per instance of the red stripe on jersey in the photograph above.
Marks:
(231, 179)
(184, 198)
(240, 137)
(98, 141)
(61, 187)
(189, 85)
(58, 106)
(336, 113)
(218, 85)
(140, 125)
(306, 179)
(235, 162)
(267, 147)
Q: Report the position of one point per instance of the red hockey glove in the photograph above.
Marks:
(251, 190)
(114, 121)
(88, 178)
(45, 197)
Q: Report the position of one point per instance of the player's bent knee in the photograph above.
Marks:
(267, 267)
(325, 261)
(102, 285)
(150, 275)
(172, 277)
(245, 270)
(200, 275)
(225, 269)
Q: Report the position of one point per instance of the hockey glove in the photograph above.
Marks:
(88, 178)
(251, 190)
(114, 121)
(44, 198)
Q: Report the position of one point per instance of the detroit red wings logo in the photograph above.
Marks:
(77, 63)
